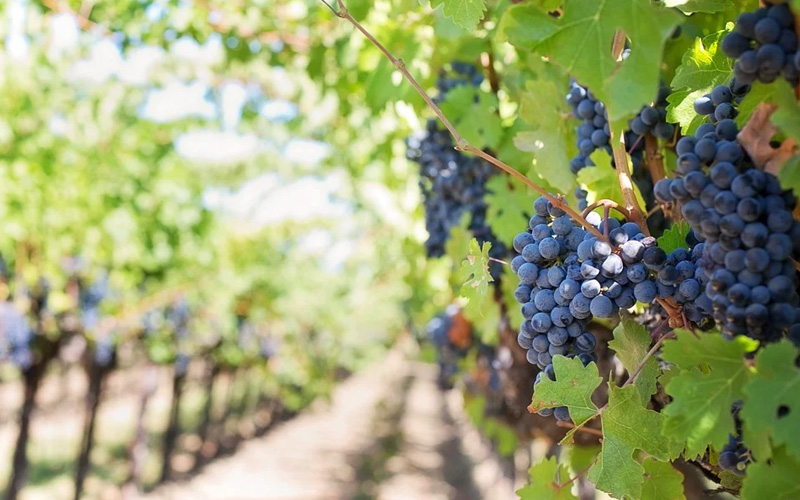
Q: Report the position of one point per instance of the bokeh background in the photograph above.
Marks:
(212, 274)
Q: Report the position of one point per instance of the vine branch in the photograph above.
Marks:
(577, 476)
(621, 157)
(461, 143)
(653, 158)
(586, 430)
(606, 203)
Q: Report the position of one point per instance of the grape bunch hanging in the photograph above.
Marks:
(452, 184)
(764, 45)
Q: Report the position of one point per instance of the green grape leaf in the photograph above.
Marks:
(702, 67)
(775, 385)
(787, 116)
(692, 6)
(760, 92)
(511, 154)
(628, 426)
(674, 237)
(631, 343)
(542, 105)
(713, 372)
(465, 13)
(482, 310)
(601, 183)
(775, 479)
(546, 480)
(573, 388)
(457, 245)
(475, 408)
(474, 271)
(547, 5)
(680, 109)
(474, 114)
(790, 174)
(661, 481)
(580, 42)
(508, 205)
(506, 439)
(580, 458)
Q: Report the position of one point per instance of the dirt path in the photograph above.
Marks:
(388, 433)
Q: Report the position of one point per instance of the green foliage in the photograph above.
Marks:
(705, 389)
(692, 6)
(662, 481)
(464, 13)
(631, 343)
(546, 479)
(474, 114)
(703, 67)
(758, 94)
(579, 42)
(790, 174)
(787, 116)
(542, 106)
(674, 237)
(773, 390)
(481, 310)
(474, 271)
(508, 206)
(776, 478)
(600, 181)
(573, 388)
(628, 426)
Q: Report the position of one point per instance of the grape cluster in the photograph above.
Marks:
(653, 118)
(463, 74)
(681, 279)
(744, 220)
(104, 351)
(447, 354)
(764, 44)
(452, 184)
(734, 456)
(17, 336)
(567, 276)
(89, 300)
(594, 132)
(721, 103)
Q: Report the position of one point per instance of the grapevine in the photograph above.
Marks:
(551, 243)
(568, 273)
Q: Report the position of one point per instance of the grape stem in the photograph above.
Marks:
(461, 143)
(654, 209)
(653, 158)
(606, 203)
(646, 358)
(487, 60)
(499, 261)
(621, 157)
(586, 430)
(577, 476)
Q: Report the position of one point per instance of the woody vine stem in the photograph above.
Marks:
(461, 143)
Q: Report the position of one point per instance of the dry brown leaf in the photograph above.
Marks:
(755, 138)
